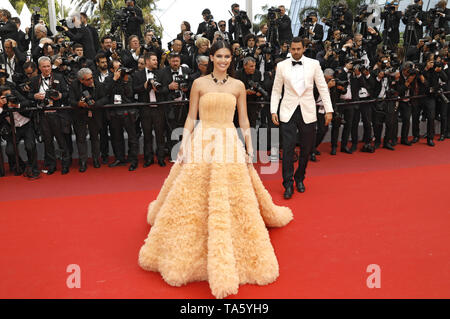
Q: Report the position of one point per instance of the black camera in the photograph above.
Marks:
(51, 93)
(125, 71)
(154, 82)
(87, 97)
(36, 16)
(255, 86)
(182, 80)
(272, 13)
(440, 94)
(12, 99)
(362, 13)
(266, 48)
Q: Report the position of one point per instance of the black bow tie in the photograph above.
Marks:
(295, 62)
(149, 71)
(47, 78)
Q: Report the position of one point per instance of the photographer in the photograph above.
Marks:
(147, 84)
(249, 45)
(385, 111)
(130, 57)
(337, 88)
(8, 29)
(207, 28)
(79, 60)
(414, 20)
(153, 44)
(284, 25)
(93, 30)
(224, 34)
(341, 19)
(23, 128)
(178, 81)
(263, 56)
(438, 19)
(120, 91)
(391, 17)
(312, 30)
(80, 34)
(85, 94)
(433, 76)
(347, 74)
(14, 58)
(202, 65)
(251, 77)
(202, 45)
(49, 90)
(129, 19)
(24, 84)
(238, 55)
(363, 111)
(239, 24)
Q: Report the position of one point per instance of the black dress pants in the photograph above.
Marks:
(405, 110)
(26, 133)
(383, 113)
(153, 118)
(362, 113)
(81, 128)
(321, 130)
(348, 112)
(289, 134)
(51, 128)
(429, 107)
(127, 122)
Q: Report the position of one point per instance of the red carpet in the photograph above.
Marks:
(387, 208)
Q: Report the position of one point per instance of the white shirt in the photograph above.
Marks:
(348, 95)
(152, 92)
(299, 76)
(10, 66)
(384, 86)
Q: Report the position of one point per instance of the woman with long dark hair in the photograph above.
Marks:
(209, 219)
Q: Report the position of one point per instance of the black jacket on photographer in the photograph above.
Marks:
(208, 29)
(391, 33)
(83, 36)
(125, 90)
(284, 28)
(134, 22)
(9, 31)
(412, 36)
(97, 93)
(432, 80)
(167, 76)
(55, 82)
(244, 26)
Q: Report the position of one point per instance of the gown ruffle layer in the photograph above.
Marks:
(209, 221)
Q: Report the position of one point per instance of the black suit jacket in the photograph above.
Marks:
(139, 79)
(98, 94)
(9, 31)
(83, 36)
(245, 28)
(284, 28)
(58, 83)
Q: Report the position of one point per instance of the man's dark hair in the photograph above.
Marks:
(83, 14)
(15, 19)
(6, 13)
(29, 64)
(206, 11)
(148, 55)
(234, 41)
(77, 45)
(106, 37)
(248, 37)
(234, 5)
(100, 56)
(259, 37)
(303, 41)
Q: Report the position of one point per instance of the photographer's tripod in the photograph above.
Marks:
(272, 34)
(410, 32)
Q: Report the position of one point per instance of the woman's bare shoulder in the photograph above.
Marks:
(238, 84)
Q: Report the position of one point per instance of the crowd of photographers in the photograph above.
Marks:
(77, 68)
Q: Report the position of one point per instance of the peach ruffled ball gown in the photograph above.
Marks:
(209, 220)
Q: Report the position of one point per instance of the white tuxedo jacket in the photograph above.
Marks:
(292, 98)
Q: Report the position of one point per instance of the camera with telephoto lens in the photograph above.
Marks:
(440, 94)
(266, 48)
(255, 86)
(182, 80)
(363, 13)
(154, 82)
(272, 14)
(51, 93)
(36, 15)
(412, 13)
(87, 97)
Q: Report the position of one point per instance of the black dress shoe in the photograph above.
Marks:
(313, 157)
(415, 140)
(104, 159)
(288, 192)
(133, 167)
(354, 147)
(64, 171)
(333, 150)
(317, 152)
(367, 148)
(83, 167)
(161, 163)
(50, 171)
(300, 187)
(441, 138)
(149, 162)
(346, 150)
(96, 163)
(118, 163)
(430, 142)
(389, 146)
(406, 142)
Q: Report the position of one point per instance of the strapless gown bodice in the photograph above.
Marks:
(217, 108)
